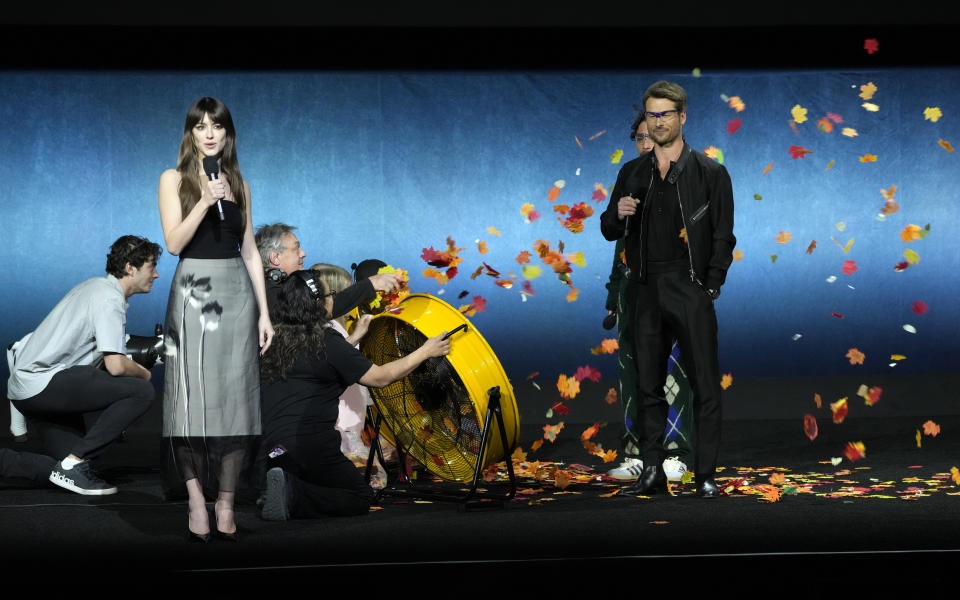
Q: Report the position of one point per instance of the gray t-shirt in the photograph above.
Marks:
(90, 320)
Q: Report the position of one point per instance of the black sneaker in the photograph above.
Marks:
(81, 479)
(276, 503)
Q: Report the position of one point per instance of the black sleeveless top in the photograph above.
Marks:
(215, 238)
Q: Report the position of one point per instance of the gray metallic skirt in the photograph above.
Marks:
(212, 378)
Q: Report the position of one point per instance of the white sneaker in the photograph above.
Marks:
(674, 468)
(628, 470)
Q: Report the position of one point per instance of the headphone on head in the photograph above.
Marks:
(276, 275)
(316, 290)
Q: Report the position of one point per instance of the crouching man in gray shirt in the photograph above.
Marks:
(75, 363)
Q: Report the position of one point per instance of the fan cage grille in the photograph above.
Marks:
(429, 412)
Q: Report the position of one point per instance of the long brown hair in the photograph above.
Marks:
(188, 161)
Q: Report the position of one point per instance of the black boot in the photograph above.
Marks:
(651, 481)
(708, 488)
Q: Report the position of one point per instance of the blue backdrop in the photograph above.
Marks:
(384, 164)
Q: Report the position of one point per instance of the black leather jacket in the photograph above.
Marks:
(706, 207)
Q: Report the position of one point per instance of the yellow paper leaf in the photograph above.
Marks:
(911, 256)
(737, 104)
(577, 258)
(616, 156)
(868, 90)
(919, 437)
(799, 113)
(531, 271)
(868, 158)
(830, 165)
(493, 230)
(526, 208)
(849, 132)
(726, 380)
(783, 237)
(870, 106)
(897, 357)
(737, 255)
(932, 114)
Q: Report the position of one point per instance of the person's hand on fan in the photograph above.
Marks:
(437, 346)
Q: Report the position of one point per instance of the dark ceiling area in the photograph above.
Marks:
(476, 36)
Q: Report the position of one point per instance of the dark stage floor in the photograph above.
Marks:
(893, 510)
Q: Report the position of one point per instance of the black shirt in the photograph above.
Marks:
(664, 223)
(307, 401)
(215, 238)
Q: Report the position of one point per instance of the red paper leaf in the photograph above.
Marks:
(837, 315)
(734, 125)
(587, 372)
(919, 307)
(849, 267)
(810, 427)
(855, 451)
(835, 118)
(873, 395)
(479, 303)
(871, 45)
(840, 410)
(798, 152)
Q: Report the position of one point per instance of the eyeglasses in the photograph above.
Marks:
(665, 115)
(642, 138)
(331, 293)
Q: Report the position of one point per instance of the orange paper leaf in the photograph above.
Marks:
(932, 429)
(783, 237)
(611, 397)
(856, 357)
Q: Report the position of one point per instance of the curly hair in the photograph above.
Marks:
(299, 324)
(641, 117)
(130, 249)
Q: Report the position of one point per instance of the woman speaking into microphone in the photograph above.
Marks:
(217, 318)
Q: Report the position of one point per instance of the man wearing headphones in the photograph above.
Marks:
(281, 254)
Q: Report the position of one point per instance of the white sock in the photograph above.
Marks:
(69, 463)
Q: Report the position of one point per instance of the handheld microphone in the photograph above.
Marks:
(626, 221)
(212, 168)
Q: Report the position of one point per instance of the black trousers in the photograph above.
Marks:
(58, 412)
(325, 482)
(669, 306)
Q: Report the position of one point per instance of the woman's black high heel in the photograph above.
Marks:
(197, 538)
(226, 537)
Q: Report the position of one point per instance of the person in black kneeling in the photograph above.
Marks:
(302, 378)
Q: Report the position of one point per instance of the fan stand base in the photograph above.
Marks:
(470, 501)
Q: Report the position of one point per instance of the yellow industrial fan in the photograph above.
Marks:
(454, 414)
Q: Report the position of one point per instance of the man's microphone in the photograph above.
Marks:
(212, 168)
(626, 222)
